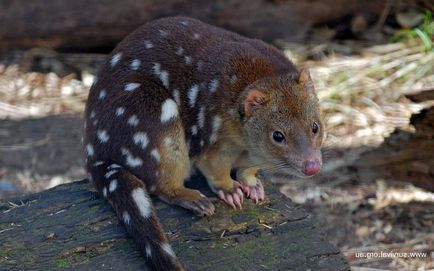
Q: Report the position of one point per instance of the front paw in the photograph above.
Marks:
(234, 198)
(253, 191)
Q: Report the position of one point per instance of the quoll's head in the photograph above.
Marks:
(282, 125)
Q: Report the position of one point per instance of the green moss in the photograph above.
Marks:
(71, 260)
(4, 226)
(62, 263)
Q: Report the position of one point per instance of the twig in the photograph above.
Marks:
(383, 16)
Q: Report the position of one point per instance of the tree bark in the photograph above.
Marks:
(82, 24)
(407, 156)
(70, 228)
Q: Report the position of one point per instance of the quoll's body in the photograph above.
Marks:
(179, 94)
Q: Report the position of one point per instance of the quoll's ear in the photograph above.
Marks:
(255, 98)
(305, 80)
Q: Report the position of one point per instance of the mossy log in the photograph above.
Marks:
(70, 227)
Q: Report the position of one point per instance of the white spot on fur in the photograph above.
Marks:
(233, 79)
(130, 159)
(102, 94)
(131, 86)
(187, 60)
(168, 249)
(148, 251)
(184, 23)
(163, 33)
(141, 139)
(98, 163)
(192, 95)
(135, 64)
(176, 96)
(156, 155)
(180, 51)
(115, 59)
(202, 143)
(213, 85)
(201, 117)
(142, 202)
(110, 173)
(126, 217)
(196, 36)
(102, 136)
(194, 130)
(95, 122)
(113, 166)
(120, 111)
(104, 192)
(113, 185)
(92, 114)
(162, 74)
(148, 44)
(169, 110)
(217, 121)
(133, 120)
(89, 150)
(232, 112)
(167, 141)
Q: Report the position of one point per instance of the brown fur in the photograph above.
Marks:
(258, 91)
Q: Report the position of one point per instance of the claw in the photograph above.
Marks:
(255, 192)
(237, 200)
(248, 191)
(230, 201)
(240, 193)
(253, 195)
(234, 198)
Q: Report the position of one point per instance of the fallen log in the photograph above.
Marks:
(83, 24)
(406, 156)
(69, 227)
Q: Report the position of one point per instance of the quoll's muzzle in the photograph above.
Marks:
(311, 167)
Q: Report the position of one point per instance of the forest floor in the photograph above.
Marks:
(361, 88)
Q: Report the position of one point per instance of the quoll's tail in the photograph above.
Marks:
(130, 200)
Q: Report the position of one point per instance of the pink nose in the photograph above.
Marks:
(311, 167)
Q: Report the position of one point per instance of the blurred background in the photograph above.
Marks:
(372, 62)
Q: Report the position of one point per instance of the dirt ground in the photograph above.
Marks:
(40, 147)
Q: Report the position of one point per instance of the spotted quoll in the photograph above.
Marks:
(179, 94)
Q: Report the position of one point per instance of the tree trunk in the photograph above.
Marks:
(82, 24)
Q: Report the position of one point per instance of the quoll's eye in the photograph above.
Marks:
(315, 127)
(278, 136)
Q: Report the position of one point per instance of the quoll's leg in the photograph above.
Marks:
(187, 198)
(250, 183)
(174, 168)
(216, 167)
